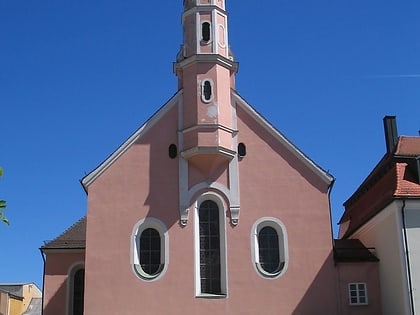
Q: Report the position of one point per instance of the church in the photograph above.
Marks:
(208, 209)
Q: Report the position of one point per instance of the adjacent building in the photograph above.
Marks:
(384, 213)
(19, 298)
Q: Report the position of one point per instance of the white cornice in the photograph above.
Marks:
(213, 58)
(324, 175)
(89, 178)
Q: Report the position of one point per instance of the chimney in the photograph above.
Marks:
(391, 133)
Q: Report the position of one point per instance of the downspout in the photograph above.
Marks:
(337, 282)
(407, 257)
(43, 283)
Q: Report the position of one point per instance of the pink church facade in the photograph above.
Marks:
(205, 209)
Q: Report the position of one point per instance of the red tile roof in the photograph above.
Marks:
(395, 176)
(408, 146)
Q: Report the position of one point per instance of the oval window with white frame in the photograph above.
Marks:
(149, 249)
(269, 247)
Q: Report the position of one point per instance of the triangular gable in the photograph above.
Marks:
(90, 178)
(322, 174)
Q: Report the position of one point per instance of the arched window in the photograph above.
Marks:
(205, 31)
(269, 246)
(76, 290)
(209, 247)
(149, 252)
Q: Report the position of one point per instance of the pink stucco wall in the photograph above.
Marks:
(144, 182)
(57, 268)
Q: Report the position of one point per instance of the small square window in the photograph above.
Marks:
(358, 294)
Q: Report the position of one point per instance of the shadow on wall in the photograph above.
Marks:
(322, 297)
(163, 197)
(57, 303)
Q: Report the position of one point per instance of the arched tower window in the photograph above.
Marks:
(210, 264)
(205, 31)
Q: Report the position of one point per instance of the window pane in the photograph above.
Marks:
(209, 247)
(150, 251)
(206, 31)
(78, 292)
(268, 244)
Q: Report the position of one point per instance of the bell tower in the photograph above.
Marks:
(206, 71)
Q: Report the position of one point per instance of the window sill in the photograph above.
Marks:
(210, 296)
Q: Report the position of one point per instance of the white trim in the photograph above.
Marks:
(283, 246)
(139, 227)
(223, 245)
(93, 175)
(325, 176)
(70, 284)
(203, 98)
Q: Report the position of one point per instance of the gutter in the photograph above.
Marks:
(407, 257)
(43, 282)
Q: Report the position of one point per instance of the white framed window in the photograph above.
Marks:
(358, 293)
(207, 90)
(269, 247)
(210, 247)
(149, 249)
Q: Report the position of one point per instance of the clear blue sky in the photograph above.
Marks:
(77, 78)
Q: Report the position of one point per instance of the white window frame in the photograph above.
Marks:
(358, 291)
(138, 229)
(283, 246)
(223, 258)
(203, 98)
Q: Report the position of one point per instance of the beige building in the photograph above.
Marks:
(19, 298)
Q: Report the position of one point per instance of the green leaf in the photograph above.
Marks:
(4, 219)
(1, 171)
(2, 204)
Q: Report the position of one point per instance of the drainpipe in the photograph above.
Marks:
(407, 257)
(339, 301)
(43, 283)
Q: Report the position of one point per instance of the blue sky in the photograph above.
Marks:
(77, 78)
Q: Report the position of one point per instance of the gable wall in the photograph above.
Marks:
(144, 182)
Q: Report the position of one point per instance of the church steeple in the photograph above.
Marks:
(205, 34)
(206, 71)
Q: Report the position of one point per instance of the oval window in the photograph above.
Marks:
(268, 247)
(150, 252)
(207, 91)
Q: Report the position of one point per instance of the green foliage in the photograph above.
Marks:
(3, 206)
